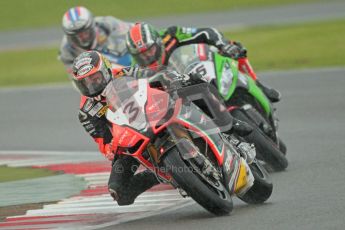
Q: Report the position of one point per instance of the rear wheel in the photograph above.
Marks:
(267, 150)
(262, 188)
(216, 201)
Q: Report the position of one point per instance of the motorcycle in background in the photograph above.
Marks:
(244, 99)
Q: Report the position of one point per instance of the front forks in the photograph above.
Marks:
(246, 150)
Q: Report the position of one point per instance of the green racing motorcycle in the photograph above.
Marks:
(235, 81)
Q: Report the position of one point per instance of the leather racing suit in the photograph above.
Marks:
(110, 37)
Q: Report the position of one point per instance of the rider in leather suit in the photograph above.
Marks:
(152, 48)
(84, 32)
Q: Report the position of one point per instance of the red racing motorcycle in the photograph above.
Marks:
(181, 133)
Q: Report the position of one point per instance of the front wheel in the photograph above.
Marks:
(266, 149)
(282, 146)
(262, 188)
(217, 202)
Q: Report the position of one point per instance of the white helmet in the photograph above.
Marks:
(79, 26)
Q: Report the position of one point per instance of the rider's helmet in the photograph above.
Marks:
(91, 73)
(79, 26)
(145, 45)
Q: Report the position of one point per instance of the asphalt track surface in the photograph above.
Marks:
(226, 20)
(42, 118)
(309, 195)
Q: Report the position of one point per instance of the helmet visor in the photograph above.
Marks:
(149, 56)
(92, 85)
(84, 38)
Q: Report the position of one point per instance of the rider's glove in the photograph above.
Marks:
(243, 52)
(233, 50)
(95, 126)
(196, 78)
(175, 76)
(177, 80)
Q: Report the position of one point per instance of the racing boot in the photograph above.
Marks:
(128, 192)
(245, 179)
(272, 94)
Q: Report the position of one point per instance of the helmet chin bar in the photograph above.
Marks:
(87, 43)
(94, 42)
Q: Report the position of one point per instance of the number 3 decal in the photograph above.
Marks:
(130, 109)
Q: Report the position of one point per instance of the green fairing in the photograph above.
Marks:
(256, 92)
(253, 89)
(219, 62)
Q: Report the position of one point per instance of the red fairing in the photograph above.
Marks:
(173, 118)
(157, 105)
(245, 67)
(217, 154)
(126, 137)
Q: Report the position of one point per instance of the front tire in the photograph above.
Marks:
(265, 147)
(195, 186)
(282, 146)
(262, 188)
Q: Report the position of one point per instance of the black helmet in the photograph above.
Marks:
(91, 73)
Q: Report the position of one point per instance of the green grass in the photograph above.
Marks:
(31, 67)
(13, 174)
(295, 46)
(288, 47)
(40, 13)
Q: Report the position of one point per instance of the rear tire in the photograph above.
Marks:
(265, 147)
(262, 188)
(195, 187)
